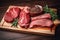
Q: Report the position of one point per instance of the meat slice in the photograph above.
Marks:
(8, 17)
(41, 23)
(24, 18)
(43, 16)
(14, 12)
(36, 10)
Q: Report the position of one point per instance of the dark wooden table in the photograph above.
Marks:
(4, 35)
(7, 35)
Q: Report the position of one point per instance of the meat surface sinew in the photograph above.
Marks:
(42, 23)
(24, 18)
(8, 17)
(14, 12)
(44, 16)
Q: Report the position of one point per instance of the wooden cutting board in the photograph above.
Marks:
(38, 30)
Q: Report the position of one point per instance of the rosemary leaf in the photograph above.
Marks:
(15, 22)
(52, 13)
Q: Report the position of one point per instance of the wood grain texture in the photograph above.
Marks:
(40, 31)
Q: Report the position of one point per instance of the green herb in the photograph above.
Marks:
(15, 22)
(52, 13)
(46, 9)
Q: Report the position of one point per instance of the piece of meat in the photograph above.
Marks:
(24, 18)
(8, 17)
(14, 12)
(43, 16)
(41, 23)
(36, 10)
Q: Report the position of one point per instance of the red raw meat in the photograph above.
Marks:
(14, 12)
(24, 18)
(43, 16)
(42, 23)
(8, 17)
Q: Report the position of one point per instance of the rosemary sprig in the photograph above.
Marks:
(15, 22)
(52, 13)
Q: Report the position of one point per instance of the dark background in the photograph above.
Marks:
(51, 3)
(7, 35)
